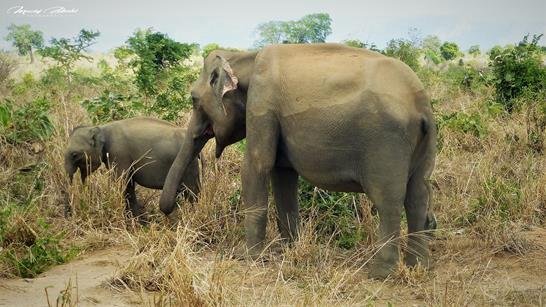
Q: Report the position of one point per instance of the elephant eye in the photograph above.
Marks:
(194, 100)
(75, 156)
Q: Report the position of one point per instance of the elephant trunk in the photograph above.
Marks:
(70, 168)
(196, 138)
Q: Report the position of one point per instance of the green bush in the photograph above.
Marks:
(44, 251)
(404, 50)
(466, 123)
(501, 198)
(466, 78)
(449, 50)
(109, 106)
(26, 123)
(474, 50)
(517, 69)
(336, 214)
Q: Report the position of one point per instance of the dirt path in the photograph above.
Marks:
(84, 278)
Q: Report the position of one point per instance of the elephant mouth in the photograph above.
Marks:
(208, 132)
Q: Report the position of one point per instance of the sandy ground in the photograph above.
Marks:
(464, 276)
(84, 277)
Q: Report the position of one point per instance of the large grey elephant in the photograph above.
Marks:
(141, 149)
(345, 119)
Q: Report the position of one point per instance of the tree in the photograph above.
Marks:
(517, 70)
(160, 73)
(449, 50)
(431, 48)
(24, 39)
(312, 28)
(154, 52)
(474, 50)
(271, 32)
(67, 51)
(404, 50)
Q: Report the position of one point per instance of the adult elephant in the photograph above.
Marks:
(345, 119)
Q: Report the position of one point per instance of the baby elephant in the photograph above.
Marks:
(141, 149)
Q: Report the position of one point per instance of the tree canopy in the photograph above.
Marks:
(312, 28)
(25, 39)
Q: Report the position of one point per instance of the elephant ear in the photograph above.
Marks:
(225, 80)
(97, 138)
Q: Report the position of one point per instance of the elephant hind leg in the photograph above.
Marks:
(420, 218)
(285, 190)
(387, 192)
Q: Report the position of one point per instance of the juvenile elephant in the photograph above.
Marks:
(142, 149)
(345, 119)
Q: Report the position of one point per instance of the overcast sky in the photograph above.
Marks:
(232, 23)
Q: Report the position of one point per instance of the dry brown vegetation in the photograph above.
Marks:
(489, 198)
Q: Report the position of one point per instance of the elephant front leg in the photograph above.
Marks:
(285, 190)
(132, 203)
(259, 160)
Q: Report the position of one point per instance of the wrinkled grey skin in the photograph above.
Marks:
(141, 149)
(345, 119)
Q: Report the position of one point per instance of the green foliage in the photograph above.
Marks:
(154, 52)
(404, 50)
(7, 66)
(24, 39)
(449, 50)
(25, 123)
(108, 107)
(359, 44)
(517, 69)
(354, 43)
(474, 50)
(501, 198)
(467, 123)
(466, 77)
(312, 28)
(336, 214)
(39, 249)
(207, 49)
(431, 48)
(67, 51)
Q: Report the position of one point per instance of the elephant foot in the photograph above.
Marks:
(381, 271)
(243, 253)
(413, 259)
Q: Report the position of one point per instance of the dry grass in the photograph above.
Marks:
(490, 200)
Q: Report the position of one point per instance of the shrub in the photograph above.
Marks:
(43, 251)
(29, 122)
(337, 214)
(67, 51)
(474, 50)
(404, 50)
(500, 200)
(449, 50)
(466, 123)
(466, 77)
(109, 106)
(7, 66)
(517, 69)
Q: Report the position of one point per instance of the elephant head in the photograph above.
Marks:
(219, 105)
(84, 151)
